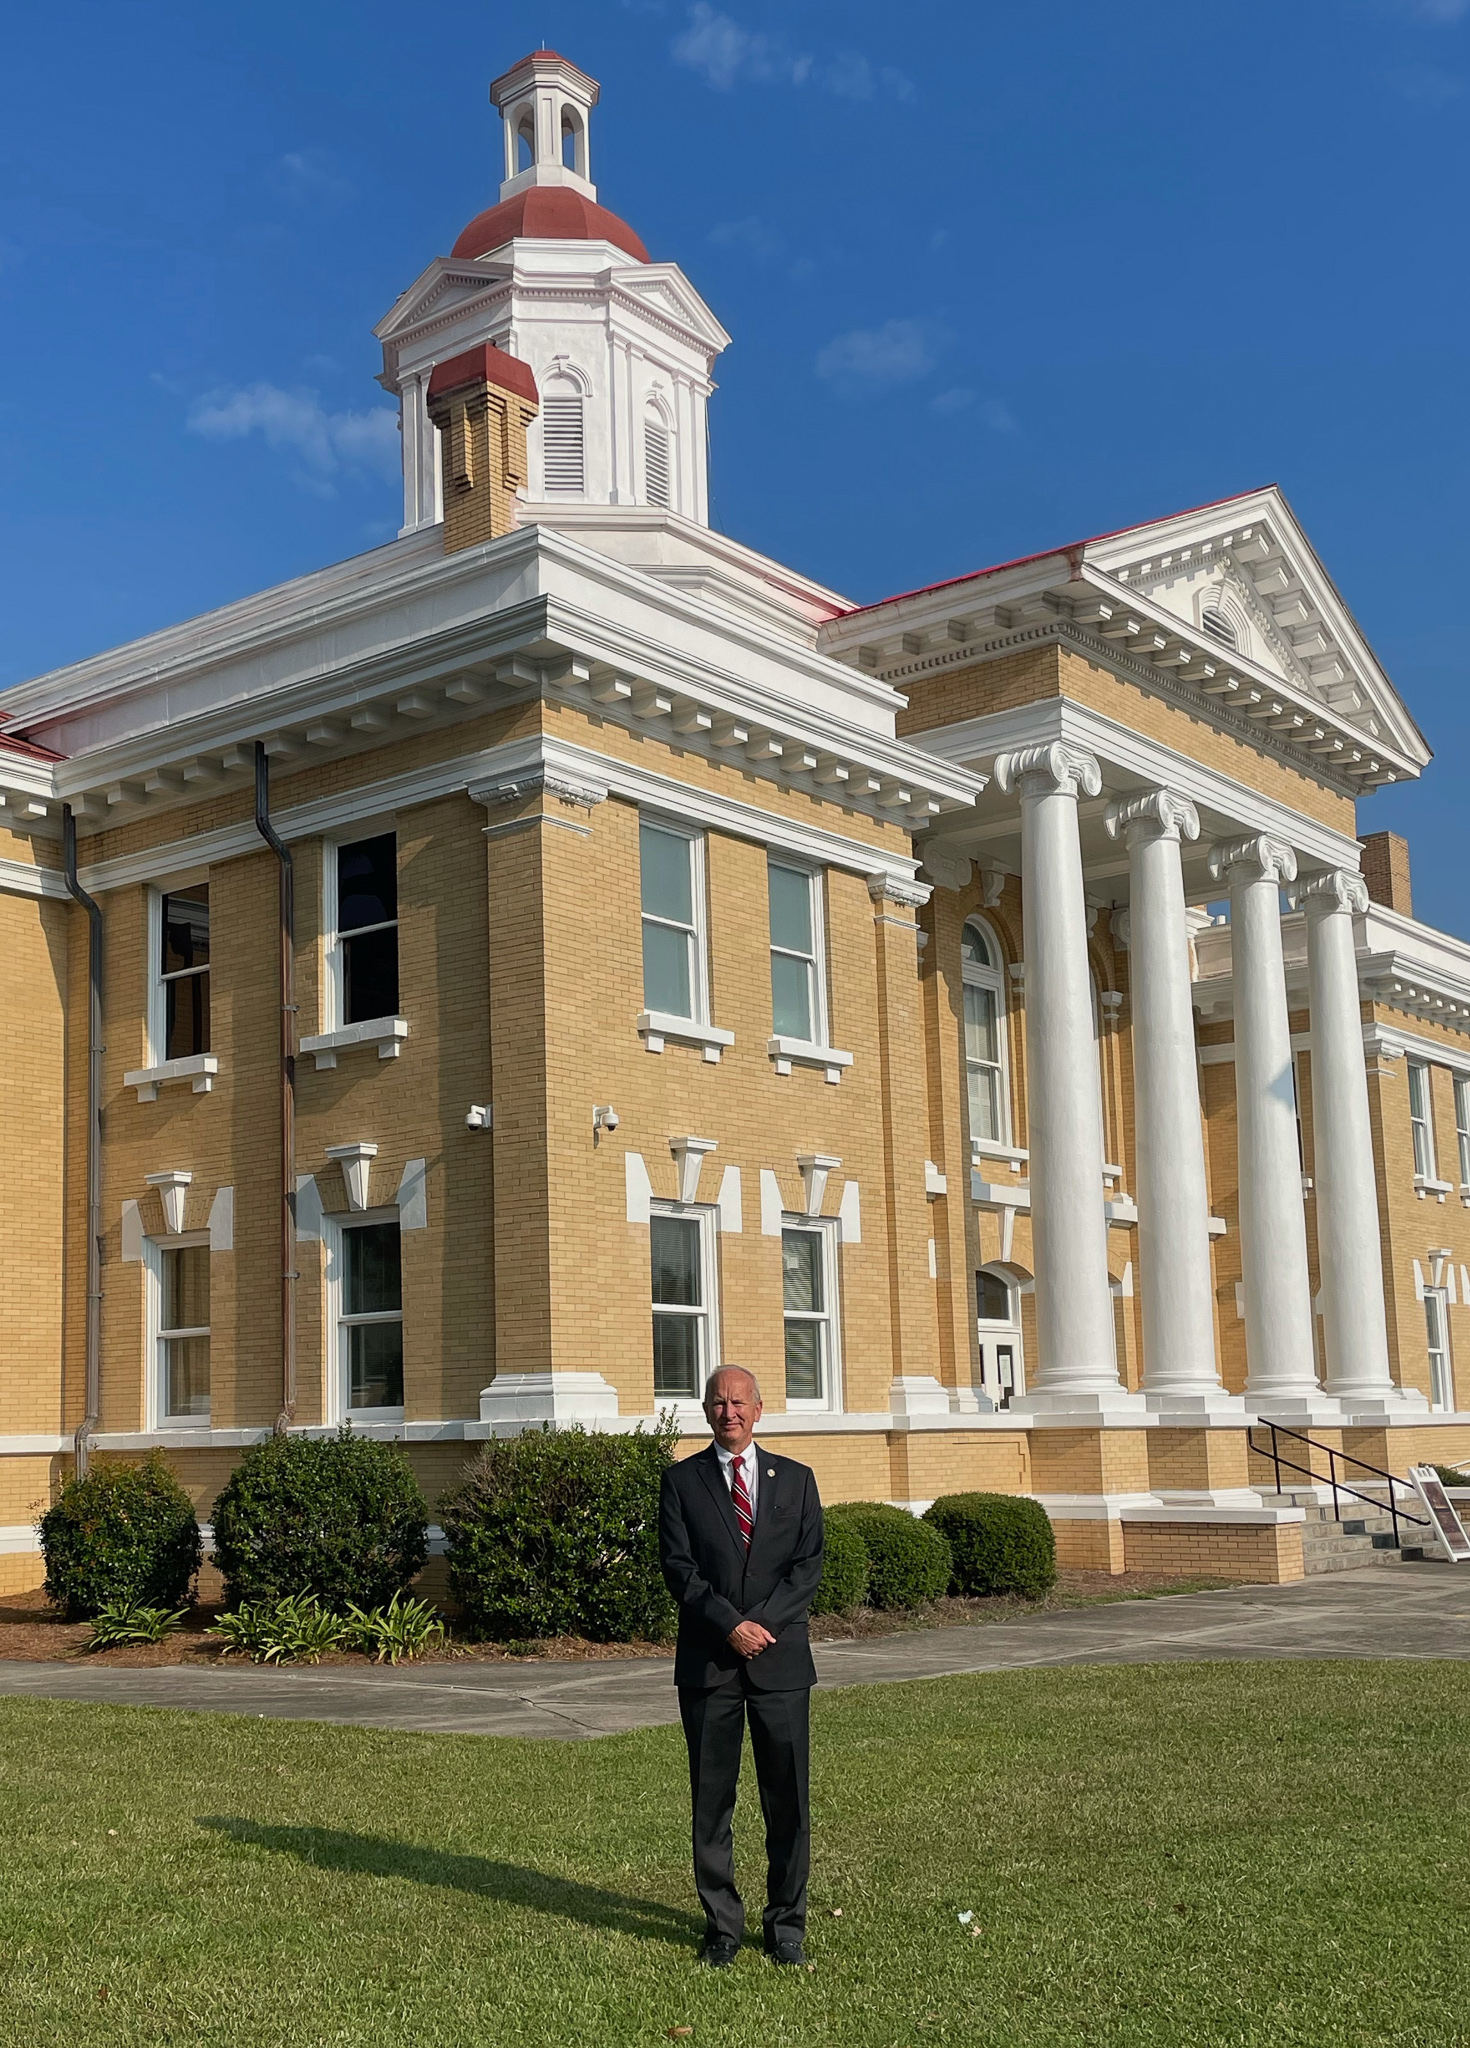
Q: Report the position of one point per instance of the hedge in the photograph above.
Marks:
(341, 1518)
(555, 1532)
(845, 1567)
(908, 1560)
(125, 1533)
(1000, 1543)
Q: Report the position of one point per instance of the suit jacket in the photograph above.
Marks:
(717, 1584)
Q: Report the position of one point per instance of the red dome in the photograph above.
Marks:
(553, 213)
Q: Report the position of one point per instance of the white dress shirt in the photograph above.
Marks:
(750, 1459)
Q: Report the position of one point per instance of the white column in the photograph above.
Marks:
(420, 454)
(1345, 1180)
(1180, 1373)
(1077, 1371)
(1281, 1379)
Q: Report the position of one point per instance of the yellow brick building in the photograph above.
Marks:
(563, 950)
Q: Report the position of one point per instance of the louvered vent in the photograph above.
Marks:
(1219, 628)
(656, 461)
(561, 445)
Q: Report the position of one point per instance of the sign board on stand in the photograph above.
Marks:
(1447, 1524)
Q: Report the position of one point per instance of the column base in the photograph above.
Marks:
(921, 1394)
(523, 1400)
(1383, 1404)
(1081, 1406)
(1209, 1408)
(1307, 1410)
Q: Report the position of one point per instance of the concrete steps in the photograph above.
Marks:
(1360, 1538)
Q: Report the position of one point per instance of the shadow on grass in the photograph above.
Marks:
(376, 1856)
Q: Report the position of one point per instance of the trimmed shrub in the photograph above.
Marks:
(908, 1560)
(1451, 1476)
(124, 1534)
(340, 1518)
(1000, 1544)
(845, 1566)
(555, 1532)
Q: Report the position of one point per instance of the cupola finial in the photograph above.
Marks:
(544, 103)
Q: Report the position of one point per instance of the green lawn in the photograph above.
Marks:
(1190, 1855)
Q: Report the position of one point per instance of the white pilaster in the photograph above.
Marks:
(420, 454)
(1180, 1373)
(1349, 1250)
(1281, 1378)
(1077, 1371)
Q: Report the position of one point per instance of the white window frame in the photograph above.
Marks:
(334, 979)
(998, 1332)
(829, 1230)
(994, 979)
(706, 1216)
(1441, 1356)
(157, 1010)
(558, 397)
(339, 1364)
(655, 422)
(1421, 1122)
(655, 1026)
(816, 1051)
(155, 1399)
(1462, 1128)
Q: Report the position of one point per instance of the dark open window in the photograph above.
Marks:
(367, 926)
(185, 958)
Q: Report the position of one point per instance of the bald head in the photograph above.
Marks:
(732, 1405)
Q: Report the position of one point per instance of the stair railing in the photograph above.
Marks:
(1334, 1457)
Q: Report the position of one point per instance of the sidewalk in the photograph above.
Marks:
(1410, 1611)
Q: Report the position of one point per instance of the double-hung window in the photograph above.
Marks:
(1437, 1329)
(370, 1317)
(183, 1332)
(986, 1081)
(671, 875)
(181, 1022)
(1462, 1125)
(797, 982)
(1421, 1120)
(365, 955)
(681, 1244)
(809, 1307)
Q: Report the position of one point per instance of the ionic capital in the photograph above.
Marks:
(1270, 859)
(1155, 813)
(1324, 895)
(1055, 769)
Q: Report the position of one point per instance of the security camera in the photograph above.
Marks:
(479, 1117)
(605, 1117)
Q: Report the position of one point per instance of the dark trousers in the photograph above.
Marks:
(714, 1728)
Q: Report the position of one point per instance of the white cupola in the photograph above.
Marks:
(621, 347)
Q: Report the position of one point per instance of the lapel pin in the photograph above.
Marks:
(770, 1471)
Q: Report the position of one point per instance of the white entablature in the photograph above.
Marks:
(621, 347)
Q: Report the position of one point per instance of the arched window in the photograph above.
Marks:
(657, 458)
(986, 1077)
(525, 142)
(563, 457)
(573, 146)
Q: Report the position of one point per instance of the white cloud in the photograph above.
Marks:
(724, 55)
(898, 352)
(950, 402)
(1441, 11)
(1425, 86)
(327, 445)
(999, 418)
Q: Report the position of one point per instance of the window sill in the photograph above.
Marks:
(353, 1416)
(654, 1026)
(386, 1033)
(199, 1070)
(991, 1148)
(800, 1052)
(1424, 1185)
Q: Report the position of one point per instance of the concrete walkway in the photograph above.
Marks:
(1407, 1611)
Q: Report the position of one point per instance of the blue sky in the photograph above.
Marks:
(997, 276)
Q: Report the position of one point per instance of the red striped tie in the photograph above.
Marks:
(741, 1499)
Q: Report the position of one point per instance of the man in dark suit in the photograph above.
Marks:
(740, 1538)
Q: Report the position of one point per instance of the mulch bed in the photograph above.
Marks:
(32, 1633)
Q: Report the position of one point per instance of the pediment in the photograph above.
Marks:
(445, 286)
(1243, 574)
(663, 289)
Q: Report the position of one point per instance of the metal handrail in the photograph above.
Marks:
(1338, 1485)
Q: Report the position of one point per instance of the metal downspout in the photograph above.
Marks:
(282, 853)
(88, 1422)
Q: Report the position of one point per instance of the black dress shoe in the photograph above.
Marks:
(789, 1953)
(719, 1952)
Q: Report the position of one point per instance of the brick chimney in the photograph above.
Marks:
(1386, 871)
(482, 402)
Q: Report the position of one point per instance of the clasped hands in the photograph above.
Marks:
(749, 1638)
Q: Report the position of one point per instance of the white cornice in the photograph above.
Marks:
(19, 878)
(979, 740)
(480, 773)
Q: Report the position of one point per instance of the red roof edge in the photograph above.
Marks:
(1070, 548)
(485, 365)
(12, 743)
